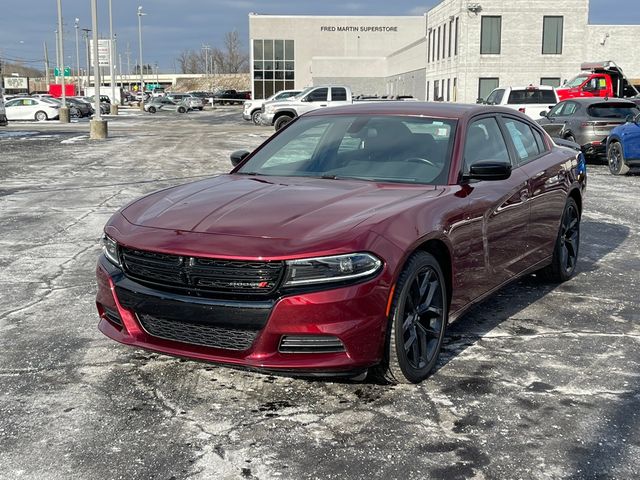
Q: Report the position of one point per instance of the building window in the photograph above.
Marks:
(448, 89)
(427, 92)
(444, 38)
(552, 35)
(436, 90)
(273, 67)
(455, 89)
(551, 81)
(450, 37)
(429, 47)
(490, 35)
(486, 86)
(455, 50)
(438, 46)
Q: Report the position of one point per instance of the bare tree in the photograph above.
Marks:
(231, 59)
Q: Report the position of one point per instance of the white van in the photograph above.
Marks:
(3, 113)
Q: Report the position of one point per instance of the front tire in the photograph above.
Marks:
(418, 321)
(182, 110)
(152, 109)
(41, 116)
(255, 117)
(282, 121)
(615, 159)
(565, 253)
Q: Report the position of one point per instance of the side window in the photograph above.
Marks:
(496, 97)
(557, 110)
(539, 140)
(569, 109)
(523, 140)
(12, 103)
(338, 94)
(318, 95)
(484, 141)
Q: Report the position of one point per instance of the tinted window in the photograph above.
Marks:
(338, 94)
(612, 110)
(12, 103)
(563, 109)
(318, 95)
(484, 141)
(540, 141)
(531, 96)
(523, 140)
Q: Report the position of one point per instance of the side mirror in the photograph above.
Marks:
(490, 170)
(238, 156)
(544, 113)
(304, 99)
(480, 100)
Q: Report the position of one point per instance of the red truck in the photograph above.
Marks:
(599, 79)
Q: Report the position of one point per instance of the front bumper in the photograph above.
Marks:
(354, 314)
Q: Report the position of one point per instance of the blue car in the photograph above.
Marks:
(623, 147)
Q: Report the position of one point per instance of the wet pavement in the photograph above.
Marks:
(537, 382)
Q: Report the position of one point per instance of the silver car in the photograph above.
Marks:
(191, 101)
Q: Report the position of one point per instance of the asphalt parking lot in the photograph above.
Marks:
(537, 382)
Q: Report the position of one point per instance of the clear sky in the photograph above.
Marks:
(172, 26)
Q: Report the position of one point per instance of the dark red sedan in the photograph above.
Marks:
(345, 242)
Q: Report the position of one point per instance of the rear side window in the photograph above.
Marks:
(338, 95)
(612, 110)
(523, 140)
(531, 96)
(484, 141)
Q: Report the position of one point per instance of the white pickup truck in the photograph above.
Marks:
(253, 108)
(529, 100)
(279, 113)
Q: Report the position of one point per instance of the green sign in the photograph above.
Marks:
(67, 72)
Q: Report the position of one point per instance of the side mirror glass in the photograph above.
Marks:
(489, 170)
(238, 156)
(544, 113)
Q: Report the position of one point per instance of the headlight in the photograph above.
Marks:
(110, 250)
(336, 268)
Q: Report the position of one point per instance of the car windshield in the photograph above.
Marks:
(576, 81)
(401, 149)
(612, 110)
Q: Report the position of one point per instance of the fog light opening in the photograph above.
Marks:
(310, 344)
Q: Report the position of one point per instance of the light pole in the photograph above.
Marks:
(55, 77)
(77, 55)
(85, 35)
(97, 126)
(114, 104)
(140, 14)
(64, 111)
(157, 81)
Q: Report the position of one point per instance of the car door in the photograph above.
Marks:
(630, 136)
(499, 210)
(14, 109)
(318, 97)
(554, 122)
(546, 177)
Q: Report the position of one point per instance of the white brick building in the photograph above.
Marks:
(459, 50)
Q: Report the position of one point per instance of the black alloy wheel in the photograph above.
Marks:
(418, 321)
(565, 253)
(615, 158)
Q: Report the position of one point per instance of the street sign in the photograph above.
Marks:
(16, 83)
(67, 72)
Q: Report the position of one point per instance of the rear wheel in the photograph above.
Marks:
(152, 109)
(615, 158)
(41, 116)
(182, 110)
(418, 321)
(565, 253)
(255, 117)
(282, 121)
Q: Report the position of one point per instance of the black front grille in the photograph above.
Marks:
(198, 334)
(202, 274)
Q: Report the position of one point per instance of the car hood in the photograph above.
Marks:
(271, 207)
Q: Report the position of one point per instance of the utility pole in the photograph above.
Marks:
(114, 103)
(120, 70)
(46, 65)
(64, 111)
(206, 49)
(55, 77)
(128, 54)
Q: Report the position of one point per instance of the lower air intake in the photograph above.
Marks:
(198, 334)
(310, 344)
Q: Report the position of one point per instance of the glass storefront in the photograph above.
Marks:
(273, 67)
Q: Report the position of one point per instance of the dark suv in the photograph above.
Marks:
(229, 97)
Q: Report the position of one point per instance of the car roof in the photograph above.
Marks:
(592, 100)
(427, 109)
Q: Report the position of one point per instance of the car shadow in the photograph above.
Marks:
(597, 240)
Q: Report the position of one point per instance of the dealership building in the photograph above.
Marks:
(457, 51)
